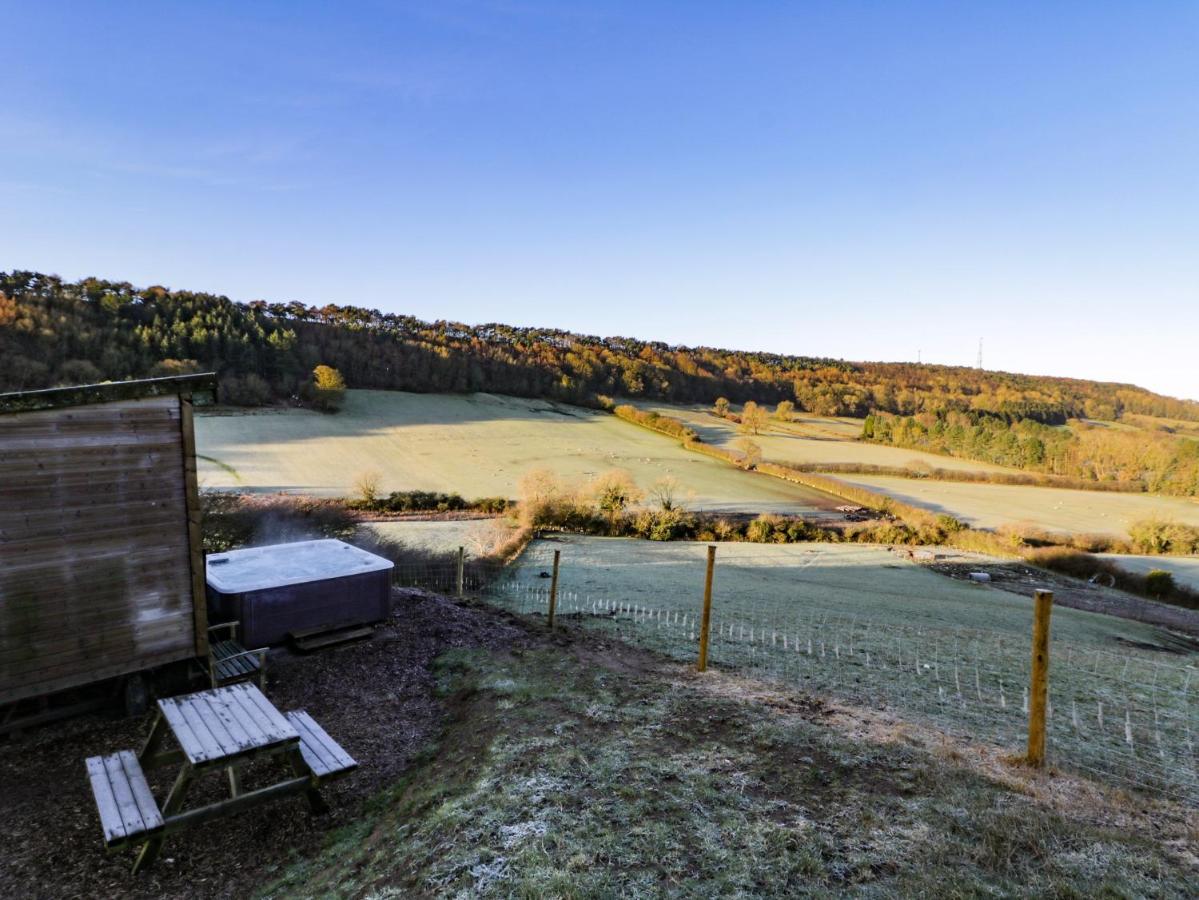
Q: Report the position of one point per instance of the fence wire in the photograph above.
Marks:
(1129, 718)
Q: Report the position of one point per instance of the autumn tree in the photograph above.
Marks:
(8, 310)
(721, 406)
(753, 418)
(784, 410)
(172, 368)
(328, 388)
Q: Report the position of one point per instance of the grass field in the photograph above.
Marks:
(813, 439)
(1055, 509)
(480, 445)
(863, 580)
(477, 445)
(593, 771)
(1185, 569)
(861, 623)
(475, 535)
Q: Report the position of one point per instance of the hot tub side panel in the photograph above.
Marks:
(267, 616)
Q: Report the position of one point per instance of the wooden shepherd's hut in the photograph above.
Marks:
(101, 565)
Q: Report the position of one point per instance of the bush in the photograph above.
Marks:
(249, 390)
(613, 492)
(1164, 536)
(663, 525)
(1099, 543)
(656, 422)
(761, 529)
(880, 531)
(727, 530)
(1159, 583)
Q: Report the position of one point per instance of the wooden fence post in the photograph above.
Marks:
(706, 621)
(1039, 692)
(461, 570)
(554, 588)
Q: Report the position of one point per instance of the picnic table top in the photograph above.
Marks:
(225, 723)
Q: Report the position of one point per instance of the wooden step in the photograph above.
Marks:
(316, 639)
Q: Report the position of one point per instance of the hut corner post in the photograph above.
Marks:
(195, 539)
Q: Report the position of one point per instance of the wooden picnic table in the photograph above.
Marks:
(219, 729)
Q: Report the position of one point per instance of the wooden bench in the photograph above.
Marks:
(229, 662)
(128, 813)
(323, 755)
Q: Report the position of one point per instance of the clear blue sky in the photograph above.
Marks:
(859, 180)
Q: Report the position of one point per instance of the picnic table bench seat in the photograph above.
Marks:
(128, 813)
(324, 755)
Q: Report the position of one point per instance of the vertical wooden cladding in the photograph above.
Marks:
(96, 544)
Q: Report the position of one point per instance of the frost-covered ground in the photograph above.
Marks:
(478, 445)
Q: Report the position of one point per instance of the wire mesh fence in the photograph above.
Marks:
(1128, 717)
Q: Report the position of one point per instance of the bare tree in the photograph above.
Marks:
(665, 492)
(366, 485)
(751, 453)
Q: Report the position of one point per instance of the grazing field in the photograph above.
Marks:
(586, 769)
(1054, 509)
(863, 580)
(477, 445)
(861, 623)
(1185, 569)
(813, 439)
(475, 535)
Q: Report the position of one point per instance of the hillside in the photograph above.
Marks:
(57, 332)
(478, 445)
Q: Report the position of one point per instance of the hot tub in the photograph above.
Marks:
(302, 586)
